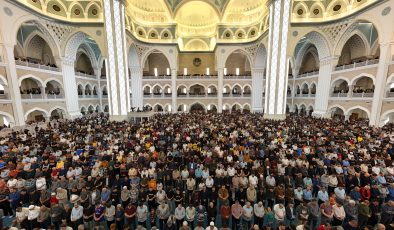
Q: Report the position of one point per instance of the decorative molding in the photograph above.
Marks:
(333, 31)
(141, 50)
(252, 49)
(58, 31)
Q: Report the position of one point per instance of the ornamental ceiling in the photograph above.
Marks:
(196, 25)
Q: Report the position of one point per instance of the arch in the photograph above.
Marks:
(236, 106)
(181, 85)
(227, 31)
(356, 78)
(319, 6)
(88, 51)
(164, 31)
(352, 30)
(150, 32)
(91, 5)
(336, 106)
(358, 107)
(356, 50)
(247, 107)
(339, 78)
(44, 33)
(167, 108)
(331, 5)
(303, 6)
(39, 35)
(238, 32)
(158, 107)
(76, 5)
(37, 109)
(221, 61)
(145, 56)
(30, 76)
(238, 60)
(57, 107)
(226, 106)
(197, 103)
(9, 116)
(312, 83)
(140, 31)
(182, 108)
(318, 40)
(73, 44)
(52, 2)
(106, 108)
(53, 79)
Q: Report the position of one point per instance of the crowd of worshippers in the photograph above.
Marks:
(199, 171)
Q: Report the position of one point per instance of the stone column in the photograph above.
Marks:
(257, 89)
(13, 85)
(174, 104)
(220, 89)
(137, 99)
(70, 87)
(323, 86)
(118, 81)
(277, 60)
(380, 84)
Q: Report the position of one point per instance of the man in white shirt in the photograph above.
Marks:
(209, 182)
(280, 212)
(32, 215)
(259, 213)
(270, 180)
(76, 215)
(41, 183)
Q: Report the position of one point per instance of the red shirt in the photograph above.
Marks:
(130, 210)
(53, 200)
(365, 193)
(225, 211)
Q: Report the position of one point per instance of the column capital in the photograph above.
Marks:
(328, 60)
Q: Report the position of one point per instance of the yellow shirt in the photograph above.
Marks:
(60, 164)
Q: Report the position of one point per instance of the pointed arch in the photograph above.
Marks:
(36, 109)
(30, 76)
(9, 116)
(358, 107)
(53, 79)
(57, 107)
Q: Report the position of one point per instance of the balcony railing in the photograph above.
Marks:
(314, 73)
(353, 95)
(185, 77)
(237, 77)
(305, 95)
(88, 96)
(390, 94)
(77, 73)
(357, 64)
(36, 65)
(42, 96)
(156, 77)
(362, 95)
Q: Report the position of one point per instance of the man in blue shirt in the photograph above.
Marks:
(105, 195)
